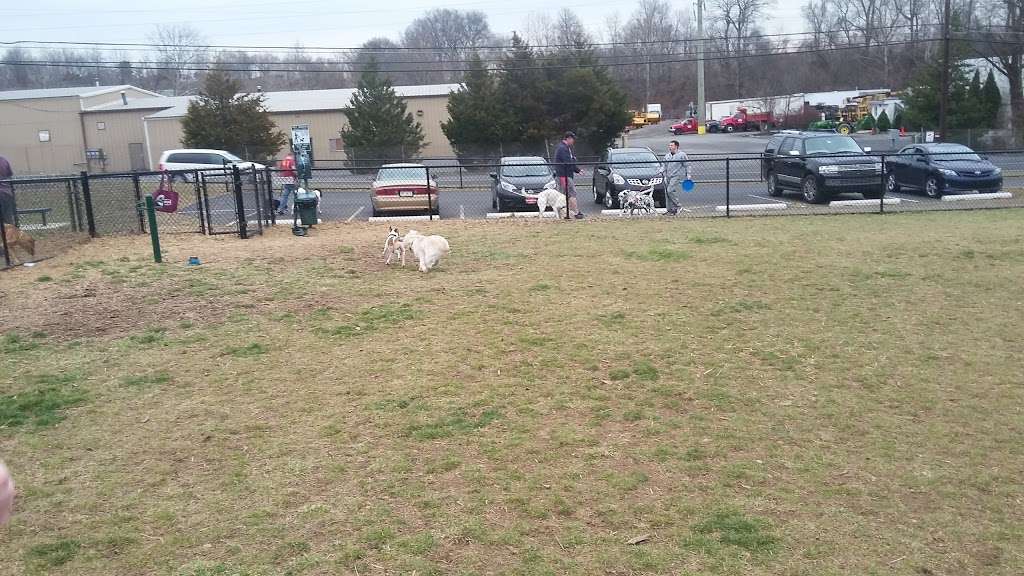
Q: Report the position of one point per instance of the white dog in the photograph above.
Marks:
(427, 249)
(393, 244)
(319, 201)
(553, 198)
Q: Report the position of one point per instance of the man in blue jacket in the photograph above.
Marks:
(565, 170)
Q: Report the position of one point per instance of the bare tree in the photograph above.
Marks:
(179, 47)
(445, 35)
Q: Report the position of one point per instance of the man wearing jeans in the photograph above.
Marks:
(676, 169)
(291, 181)
(565, 170)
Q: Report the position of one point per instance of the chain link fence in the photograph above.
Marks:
(58, 212)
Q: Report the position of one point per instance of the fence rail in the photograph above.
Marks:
(61, 211)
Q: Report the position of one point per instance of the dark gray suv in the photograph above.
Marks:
(821, 166)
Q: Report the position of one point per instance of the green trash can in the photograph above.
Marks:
(305, 207)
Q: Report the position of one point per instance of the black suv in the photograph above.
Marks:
(820, 166)
(628, 169)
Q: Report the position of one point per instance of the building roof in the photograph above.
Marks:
(79, 91)
(155, 103)
(312, 100)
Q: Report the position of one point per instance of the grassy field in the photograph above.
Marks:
(800, 396)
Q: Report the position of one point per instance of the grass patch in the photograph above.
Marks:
(739, 306)
(733, 528)
(541, 287)
(659, 254)
(43, 403)
(249, 350)
(150, 336)
(12, 343)
(52, 554)
(645, 371)
(146, 380)
(457, 423)
(44, 278)
(370, 320)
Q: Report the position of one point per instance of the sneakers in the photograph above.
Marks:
(580, 216)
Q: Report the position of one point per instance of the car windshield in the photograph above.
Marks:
(953, 152)
(232, 158)
(402, 174)
(832, 145)
(525, 168)
(633, 160)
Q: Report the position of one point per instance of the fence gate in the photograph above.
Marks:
(234, 201)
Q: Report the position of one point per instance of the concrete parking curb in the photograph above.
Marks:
(497, 215)
(750, 207)
(400, 218)
(887, 202)
(990, 196)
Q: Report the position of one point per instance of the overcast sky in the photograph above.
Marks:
(312, 23)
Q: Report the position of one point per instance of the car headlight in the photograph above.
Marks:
(618, 180)
(946, 172)
(508, 187)
(997, 171)
(829, 169)
(551, 185)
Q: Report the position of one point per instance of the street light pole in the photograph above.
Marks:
(701, 116)
(944, 92)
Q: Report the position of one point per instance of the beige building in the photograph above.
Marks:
(122, 128)
(43, 131)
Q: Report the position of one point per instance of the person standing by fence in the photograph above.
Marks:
(565, 170)
(676, 170)
(291, 181)
(6, 193)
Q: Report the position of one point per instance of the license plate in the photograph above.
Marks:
(530, 200)
(405, 193)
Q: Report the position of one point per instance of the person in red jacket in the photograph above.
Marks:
(290, 177)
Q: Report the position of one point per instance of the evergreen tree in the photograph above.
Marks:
(883, 123)
(992, 100)
(379, 125)
(922, 99)
(867, 123)
(479, 121)
(222, 119)
(523, 89)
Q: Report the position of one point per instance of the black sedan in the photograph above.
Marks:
(518, 181)
(628, 169)
(938, 169)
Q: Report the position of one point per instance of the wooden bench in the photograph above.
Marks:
(44, 212)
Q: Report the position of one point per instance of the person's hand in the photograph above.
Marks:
(6, 494)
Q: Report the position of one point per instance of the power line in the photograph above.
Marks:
(545, 67)
(385, 49)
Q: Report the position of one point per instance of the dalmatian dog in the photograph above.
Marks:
(632, 201)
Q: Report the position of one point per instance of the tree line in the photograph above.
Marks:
(649, 54)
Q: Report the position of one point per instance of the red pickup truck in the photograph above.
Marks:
(743, 120)
(686, 126)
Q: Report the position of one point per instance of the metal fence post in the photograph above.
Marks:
(728, 183)
(71, 207)
(138, 198)
(881, 197)
(199, 204)
(461, 185)
(430, 198)
(269, 176)
(236, 177)
(154, 235)
(90, 218)
(3, 236)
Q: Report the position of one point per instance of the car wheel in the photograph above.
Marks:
(773, 185)
(677, 132)
(891, 185)
(730, 128)
(609, 199)
(931, 187)
(597, 197)
(872, 195)
(811, 192)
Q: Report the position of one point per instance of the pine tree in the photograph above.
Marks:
(867, 123)
(883, 123)
(992, 100)
(523, 91)
(222, 119)
(379, 125)
(479, 122)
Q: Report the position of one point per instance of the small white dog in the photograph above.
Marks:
(319, 201)
(553, 198)
(393, 244)
(427, 249)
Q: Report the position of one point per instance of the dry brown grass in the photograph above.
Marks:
(759, 396)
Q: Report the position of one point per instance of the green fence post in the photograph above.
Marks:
(153, 234)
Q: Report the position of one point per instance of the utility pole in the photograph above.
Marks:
(700, 64)
(944, 92)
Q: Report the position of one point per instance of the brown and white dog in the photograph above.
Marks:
(393, 244)
(18, 239)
